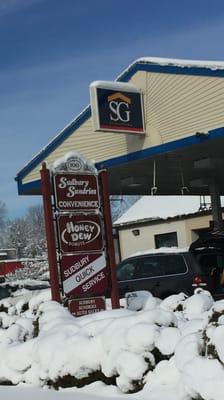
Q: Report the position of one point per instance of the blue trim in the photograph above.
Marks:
(27, 188)
(160, 149)
(170, 69)
(125, 77)
(139, 155)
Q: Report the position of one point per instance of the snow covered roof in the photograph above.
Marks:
(212, 65)
(150, 208)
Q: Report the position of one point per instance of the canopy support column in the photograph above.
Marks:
(216, 206)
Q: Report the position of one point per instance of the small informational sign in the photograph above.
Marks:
(84, 274)
(79, 233)
(117, 109)
(79, 307)
(76, 192)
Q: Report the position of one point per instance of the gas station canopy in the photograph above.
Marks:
(182, 150)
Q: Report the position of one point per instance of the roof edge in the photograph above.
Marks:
(129, 224)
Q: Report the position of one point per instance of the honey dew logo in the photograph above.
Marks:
(119, 106)
(80, 233)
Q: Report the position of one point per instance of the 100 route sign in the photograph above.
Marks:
(76, 192)
(79, 233)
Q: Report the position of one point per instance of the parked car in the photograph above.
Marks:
(170, 271)
(5, 291)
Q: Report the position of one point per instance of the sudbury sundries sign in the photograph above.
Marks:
(76, 192)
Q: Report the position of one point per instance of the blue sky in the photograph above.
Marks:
(51, 50)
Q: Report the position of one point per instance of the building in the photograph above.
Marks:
(182, 147)
(8, 254)
(162, 221)
(180, 150)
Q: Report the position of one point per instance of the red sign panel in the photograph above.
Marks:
(80, 233)
(84, 274)
(76, 192)
(79, 307)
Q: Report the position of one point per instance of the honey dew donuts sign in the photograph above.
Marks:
(80, 233)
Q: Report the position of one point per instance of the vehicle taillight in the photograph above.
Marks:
(198, 280)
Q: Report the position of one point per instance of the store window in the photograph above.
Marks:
(166, 240)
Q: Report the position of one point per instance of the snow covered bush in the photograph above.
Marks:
(171, 348)
(32, 269)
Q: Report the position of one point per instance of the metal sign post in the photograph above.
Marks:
(50, 233)
(109, 238)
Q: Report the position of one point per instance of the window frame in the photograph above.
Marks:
(165, 234)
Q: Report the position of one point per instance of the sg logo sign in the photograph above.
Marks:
(119, 105)
(117, 110)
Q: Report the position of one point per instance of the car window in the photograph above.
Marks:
(149, 267)
(159, 265)
(175, 264)
(126, 270)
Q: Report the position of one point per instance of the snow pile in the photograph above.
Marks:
(182, 63)
(111, 85)
(160, 250)
(172, 347)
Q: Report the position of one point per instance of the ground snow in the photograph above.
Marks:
(169, 349)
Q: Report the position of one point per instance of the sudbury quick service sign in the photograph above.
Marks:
(79, 233)
(119, 109)
(84, 274)
(76, 192)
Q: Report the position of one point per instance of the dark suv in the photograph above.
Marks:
(169, 271)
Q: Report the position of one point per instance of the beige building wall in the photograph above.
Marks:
(195, 224)
(186, 230)
(130, 244)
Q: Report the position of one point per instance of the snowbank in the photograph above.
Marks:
(169, 349)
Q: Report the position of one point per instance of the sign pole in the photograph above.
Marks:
(50, 233)
(109, 238)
